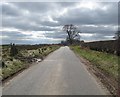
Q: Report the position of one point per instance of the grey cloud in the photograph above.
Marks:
(95, 37)
(87, 16)
(48, 23)
(14, 37)
(66, 4)
(19, 38)
(99, 29)
(33, 7)
(20, 23)
(10, 10)
(56, 34)
(25, 22)
(14, 34)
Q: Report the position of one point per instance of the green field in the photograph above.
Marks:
(23, 59)
(108, 63)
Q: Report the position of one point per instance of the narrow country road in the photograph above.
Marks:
(61, 73)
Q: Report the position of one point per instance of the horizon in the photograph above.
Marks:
(58, 43)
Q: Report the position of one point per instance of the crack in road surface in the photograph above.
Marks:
(61, 73)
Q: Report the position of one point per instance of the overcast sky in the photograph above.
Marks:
(38, 22)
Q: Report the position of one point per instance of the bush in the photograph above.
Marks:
(13, 50)
(3, 64)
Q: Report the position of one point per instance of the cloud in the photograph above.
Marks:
(10, 10)
(91, 16)
(30, 22)
(14, 36)
(56, 34)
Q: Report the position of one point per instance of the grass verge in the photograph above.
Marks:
(104, 63)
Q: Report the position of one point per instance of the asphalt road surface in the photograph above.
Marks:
(61, 73)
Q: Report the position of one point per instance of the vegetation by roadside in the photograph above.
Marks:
(22, 60)
(106, 63)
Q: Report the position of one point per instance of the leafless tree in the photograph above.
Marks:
(72, 32)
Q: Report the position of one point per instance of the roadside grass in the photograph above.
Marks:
(108, 63)
(40, 52)
(49, 50)
(13, 65)
(12, 68)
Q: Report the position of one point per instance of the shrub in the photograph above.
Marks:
(13, 50)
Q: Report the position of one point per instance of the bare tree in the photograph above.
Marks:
(72, 32)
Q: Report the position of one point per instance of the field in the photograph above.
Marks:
(26, 56)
